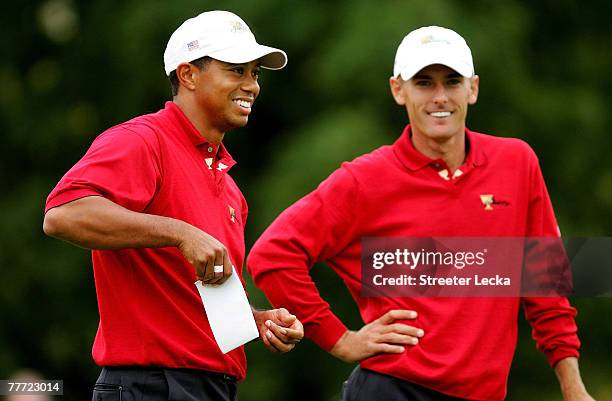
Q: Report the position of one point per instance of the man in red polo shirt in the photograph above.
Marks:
(153, 199)
(439, 179)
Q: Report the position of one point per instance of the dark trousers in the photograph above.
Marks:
(366, 385)
(160, 384)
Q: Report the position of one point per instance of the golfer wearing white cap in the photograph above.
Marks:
(439, 179)
(153, 199)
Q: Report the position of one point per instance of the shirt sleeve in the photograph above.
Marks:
(314, 229)
(552, 318)
(121, 165)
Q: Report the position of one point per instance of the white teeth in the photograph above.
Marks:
(242, 103)
(440, 114)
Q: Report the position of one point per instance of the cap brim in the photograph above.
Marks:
(462, 68)
(271, 58)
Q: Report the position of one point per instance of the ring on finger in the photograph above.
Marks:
(218, 268)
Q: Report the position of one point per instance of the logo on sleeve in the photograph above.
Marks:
(232, 213)
(488, 200)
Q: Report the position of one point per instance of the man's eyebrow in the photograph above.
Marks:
(241, 64)
(425, 76)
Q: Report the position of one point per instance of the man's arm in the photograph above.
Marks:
(568, 373)
(95, 222)
(317, 228)
(552, 318)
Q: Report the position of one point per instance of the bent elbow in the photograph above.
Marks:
(52, 223)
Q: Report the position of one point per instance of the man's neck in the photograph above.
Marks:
(198, 120)
(452, 150)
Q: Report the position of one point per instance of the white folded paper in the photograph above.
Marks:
(229, 313)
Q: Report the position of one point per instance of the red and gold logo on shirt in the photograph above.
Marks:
(488, 200)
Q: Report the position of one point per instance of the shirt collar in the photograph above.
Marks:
(415, 160)
(178, 119)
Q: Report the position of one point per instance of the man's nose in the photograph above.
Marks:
(250, 84)
(440, 95)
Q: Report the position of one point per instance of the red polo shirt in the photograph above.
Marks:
(396, 191)
(150, 311)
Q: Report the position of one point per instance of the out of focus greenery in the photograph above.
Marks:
(70, 69)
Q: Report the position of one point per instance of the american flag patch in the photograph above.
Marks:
(192, 45)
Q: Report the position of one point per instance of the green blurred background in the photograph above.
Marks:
(70, 69)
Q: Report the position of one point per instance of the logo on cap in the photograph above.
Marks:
(237, 26)
(192, 45)
(430, 39)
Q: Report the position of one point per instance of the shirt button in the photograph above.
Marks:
(436, 165)
(210, 149)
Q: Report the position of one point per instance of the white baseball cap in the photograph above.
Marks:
(432, 45)
(223, 36)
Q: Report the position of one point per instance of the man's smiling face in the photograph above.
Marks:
(436, 99)
(226, 92)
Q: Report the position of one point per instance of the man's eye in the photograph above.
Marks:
(422, 83)
(256, 74)
(454, 81)
(239, 70)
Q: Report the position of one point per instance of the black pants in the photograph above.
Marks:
(159, 384)
(366, 385)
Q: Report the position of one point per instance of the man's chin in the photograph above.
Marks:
(443, 132)
(239, 123)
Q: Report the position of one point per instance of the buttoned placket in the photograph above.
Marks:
(453, 184)
(216, 166)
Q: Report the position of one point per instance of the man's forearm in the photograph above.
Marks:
(97, 223)
(568, 374)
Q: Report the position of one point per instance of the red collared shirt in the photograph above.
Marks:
(396, 191)
(150, 311)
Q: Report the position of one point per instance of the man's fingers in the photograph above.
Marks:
(396, 314)
(395, 338)
(227, 267)
(205, 270)
(285, 317)
(268, 335)
(277, 344)
(280, 332)
(402, 328)
(264, 337)
(389, 349)
(218, 266)
(285, 334)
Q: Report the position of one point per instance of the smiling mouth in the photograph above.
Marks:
(440, 114)
(243, 104)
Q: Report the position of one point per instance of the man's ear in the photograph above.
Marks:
(474, 82)
(187, 75)
(396, 90)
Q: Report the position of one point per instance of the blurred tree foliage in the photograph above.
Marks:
(70, 69)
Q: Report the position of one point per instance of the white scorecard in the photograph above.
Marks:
(229, 313)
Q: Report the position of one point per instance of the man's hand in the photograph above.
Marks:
(207, 255)
(278, 329)
(381, 335)
(568, 373)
